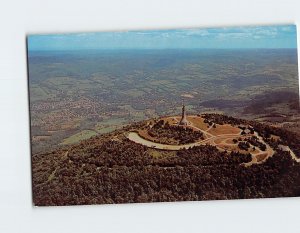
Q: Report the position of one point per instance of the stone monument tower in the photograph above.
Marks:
(183, 120)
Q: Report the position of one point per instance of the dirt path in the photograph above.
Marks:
(203, 131)
(269, 150)
(287, 148)
(66, 154)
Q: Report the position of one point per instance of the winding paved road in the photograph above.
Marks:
(135, 137)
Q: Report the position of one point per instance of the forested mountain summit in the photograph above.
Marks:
(111, 168)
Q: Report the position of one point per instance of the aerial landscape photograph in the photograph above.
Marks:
(164, 115)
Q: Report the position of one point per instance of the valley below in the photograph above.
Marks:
(76, 95)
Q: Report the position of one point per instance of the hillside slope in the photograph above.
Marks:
(112, 169)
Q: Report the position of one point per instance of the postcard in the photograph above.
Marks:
(164, 115)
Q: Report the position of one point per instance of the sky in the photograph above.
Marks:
(283, 36)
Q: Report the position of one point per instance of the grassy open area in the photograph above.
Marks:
(37, 93)
(106, 129)
(261, 157)
(85, 134)
(224, 129)
(198, 122)
(161, 154)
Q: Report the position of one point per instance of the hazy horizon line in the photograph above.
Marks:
(124, 49)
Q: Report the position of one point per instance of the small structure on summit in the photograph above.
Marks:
(183, 120)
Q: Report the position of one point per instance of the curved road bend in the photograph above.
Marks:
(133, 136)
